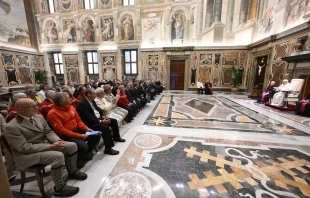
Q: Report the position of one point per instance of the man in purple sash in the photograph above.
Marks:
(267, 94)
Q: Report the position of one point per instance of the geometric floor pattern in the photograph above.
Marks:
(191, 146)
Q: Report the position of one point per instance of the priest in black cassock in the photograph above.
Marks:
(267, 94)
(303, 107)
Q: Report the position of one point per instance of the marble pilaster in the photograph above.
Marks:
(209, 13)
(217, 10)
(81, 67)
(230, 15)
(260, 11)
(243, 17)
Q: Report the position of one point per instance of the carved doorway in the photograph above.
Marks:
(177, 73)
(260, 71)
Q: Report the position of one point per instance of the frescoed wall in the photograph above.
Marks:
(13, 23)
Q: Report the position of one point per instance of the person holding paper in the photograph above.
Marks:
(93, 117)
(68, 125)
(278, 98)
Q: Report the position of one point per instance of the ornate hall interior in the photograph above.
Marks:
(223, 123)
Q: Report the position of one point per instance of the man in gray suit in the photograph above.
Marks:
(33, 142)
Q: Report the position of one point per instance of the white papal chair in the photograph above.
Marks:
(294, 95)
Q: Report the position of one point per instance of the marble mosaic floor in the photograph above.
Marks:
(187, 145)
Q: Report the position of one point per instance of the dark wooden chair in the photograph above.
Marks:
(38, 170)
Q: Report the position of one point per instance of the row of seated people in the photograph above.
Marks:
(207, 87)
(277, 95)
(61, 138)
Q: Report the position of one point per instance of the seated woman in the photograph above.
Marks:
(267, 94)
(32, 94)
(303, 107)
(208, 88)
(200, 87)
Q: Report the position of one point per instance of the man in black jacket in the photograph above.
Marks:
(141, 89)
(136, 94)
(130, 97)
(150, 89)
(92, 116)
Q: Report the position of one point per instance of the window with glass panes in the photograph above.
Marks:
(51, 6)
(89, 4)
(59, 68)
(131, 62)
(128, 2)
(92, 63)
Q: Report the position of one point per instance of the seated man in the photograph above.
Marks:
(113, 100)
(278, 97)
(268, 93)
(32, 94)
(150, 89)
(141, 89)
(158, 84)
(12, 110)
(131, 98)
(74, 101)
(200, 87)
(303, 107)
(33, 142)
(82, 93)
(41, 93)
(68, 125)
(124, 103)
(47, 104)
(136, 94)
(92, 116)
(208, 88)
(106, 106)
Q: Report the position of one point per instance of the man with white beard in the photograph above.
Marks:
(278, 98)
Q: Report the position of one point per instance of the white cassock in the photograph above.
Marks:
(199, 85)
(278, 98)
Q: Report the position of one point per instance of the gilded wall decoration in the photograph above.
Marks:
(153, 74)
(69, 31)
(152, 60)
(22, 60)
(205, 59)
(226, 76)
(71, 61)
(217, 59)
(108, 60)
(162, 75)
(109, 73)
(25, 75)
(144, 73)
(73, 75)
(107, 28)
(8, 59)
(51, 64)
(230, 58)
(35, 61)
(51, 32)
(280, 51)
(10, 76)
(88, 30)
(204, 74)
(242, 59)
(216, 76)
(277, 70)
(127, 28)
(178, 25)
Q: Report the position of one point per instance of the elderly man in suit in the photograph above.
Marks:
(33, 142)
(92, 116)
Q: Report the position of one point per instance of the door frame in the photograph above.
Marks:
(186, 69)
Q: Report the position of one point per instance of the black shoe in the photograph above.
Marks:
(80, 164)
(66, 191)
(87, 157)
(12, 178)
(118, 139)
(111, 152)
(77, 175)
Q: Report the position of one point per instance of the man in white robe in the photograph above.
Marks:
(278, 98)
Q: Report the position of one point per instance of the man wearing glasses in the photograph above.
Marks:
(33, 142)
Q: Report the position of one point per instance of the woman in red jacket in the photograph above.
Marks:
(125, 104)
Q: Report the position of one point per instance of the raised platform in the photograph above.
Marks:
(289, 107)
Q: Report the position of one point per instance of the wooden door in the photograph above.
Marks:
(177, 73)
